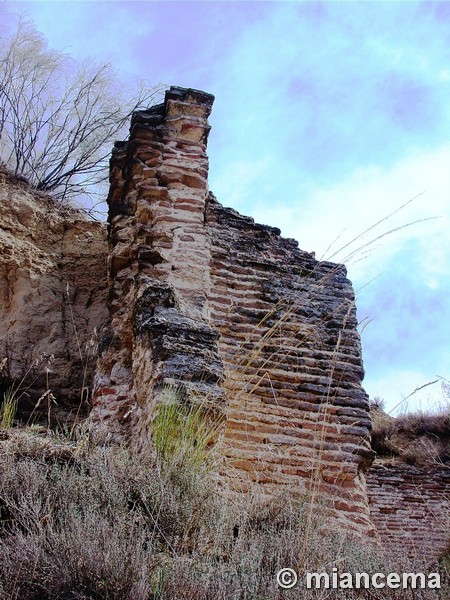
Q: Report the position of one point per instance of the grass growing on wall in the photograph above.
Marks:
(184, 432)
(8, 409)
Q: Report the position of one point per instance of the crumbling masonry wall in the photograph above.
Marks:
(410, 507)
(228, 311)
(159, 332)
(297, 414)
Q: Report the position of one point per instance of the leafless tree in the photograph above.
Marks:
(58, 118)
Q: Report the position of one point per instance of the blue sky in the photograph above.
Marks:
(328, 117)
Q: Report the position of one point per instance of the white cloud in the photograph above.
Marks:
(366, 197)
(406, 390)
(239, 180)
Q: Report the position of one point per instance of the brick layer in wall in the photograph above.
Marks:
(297, 416)
(410, 507)
(158, 334)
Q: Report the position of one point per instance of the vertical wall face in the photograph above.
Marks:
(410, 507)
(298, 416)
(206, 299)
(159, 333)
(53, 292)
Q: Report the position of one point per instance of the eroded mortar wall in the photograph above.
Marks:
(159, 333)
(410, 507)
(297, 414)
(231, 312)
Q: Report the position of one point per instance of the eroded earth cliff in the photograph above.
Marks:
(52, 297)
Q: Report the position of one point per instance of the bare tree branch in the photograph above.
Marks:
(58, 119)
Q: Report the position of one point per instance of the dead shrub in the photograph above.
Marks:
(110, 525)
(382, 441)
(421, 423)
(424, 452)
(67, 532)
(420, 439)
(383, 428)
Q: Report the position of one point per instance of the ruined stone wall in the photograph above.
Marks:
(297, 414)
(53, 292)
(159, 333)
(191, 296)
(410, 507)
(231, 312)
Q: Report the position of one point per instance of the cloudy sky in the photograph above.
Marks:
(329, 117)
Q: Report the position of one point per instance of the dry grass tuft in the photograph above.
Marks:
(421, 423)
(418, 438)
(83, 521)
